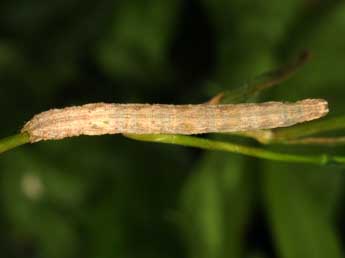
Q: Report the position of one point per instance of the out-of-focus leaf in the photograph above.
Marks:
(29, 19)
(246, 33)
(257, 255)
(95, 189)
(137, 45)
(299, 213)
(25, 189)
(215, 207)
(52, 40)
(323, 76)
(9, 58)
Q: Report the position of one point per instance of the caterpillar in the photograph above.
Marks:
(106, 118)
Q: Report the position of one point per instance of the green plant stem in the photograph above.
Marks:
(297, 134)
(330, 141)
(207, 144)
(306, 129)
(14, 141)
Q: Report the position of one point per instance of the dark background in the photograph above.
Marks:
(109, 196)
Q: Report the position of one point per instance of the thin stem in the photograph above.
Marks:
(306, 129)
(330, 141)
(281, 74)
(207, 144)
(297, 134)
(14, 141)
(265, 81)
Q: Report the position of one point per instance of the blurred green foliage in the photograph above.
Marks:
(112, 197)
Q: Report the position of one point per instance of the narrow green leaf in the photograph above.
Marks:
(300, 214)
(215, 205)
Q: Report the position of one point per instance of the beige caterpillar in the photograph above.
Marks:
(103, 118)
